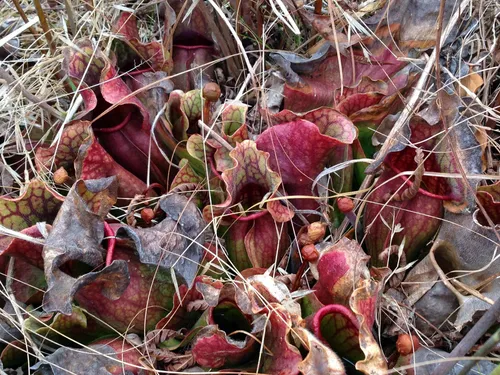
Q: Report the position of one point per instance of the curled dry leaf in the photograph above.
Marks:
(176, 242)
(320, 359)
(412, 22)
(452, 253)
(364, 304)
(98, 359)
(76, 235)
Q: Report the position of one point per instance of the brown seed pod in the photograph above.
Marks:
(211, 92)
(147, 214)
(407, 344)
(309, 253)
(345, 204)
(61, 176)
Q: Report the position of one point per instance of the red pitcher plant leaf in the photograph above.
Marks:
(194, 47)
(126, 128)
(55, 327)
(130, 359)
(248, 181)
(234, 130)
(28, 280)
(84, 67)
(398, 200)
(146, 299)
(284, 357)
(224, 334)
(214, 348)
(35, 203)
(337, 325)
(324, 79)
(418, 205)
(79, 153)
(152, 255)
(338, 269)
(228, 329)
(299, 150)
(183, 315)
(186, 176)
(183, 112)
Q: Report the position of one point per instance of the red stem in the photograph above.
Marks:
(152, 186)
(420, 190)
(108, 232)
(249, 217)
(213, 169)
(116, 127)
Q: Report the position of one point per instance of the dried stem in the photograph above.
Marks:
(487, 347)
(45, 26)
(71, 16)
(477, 331)
(26, 20)
(32, 98)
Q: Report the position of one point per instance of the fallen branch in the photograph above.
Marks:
(463, 347)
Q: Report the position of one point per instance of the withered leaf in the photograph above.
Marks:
(76, 235)
(66, 361)
(175, 241)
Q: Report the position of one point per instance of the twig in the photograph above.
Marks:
(71, 17)
(487, 347)
(45, 26)
(214, 135)
(471, 291)
(32, 98)
(26, 20)
(477, 331)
